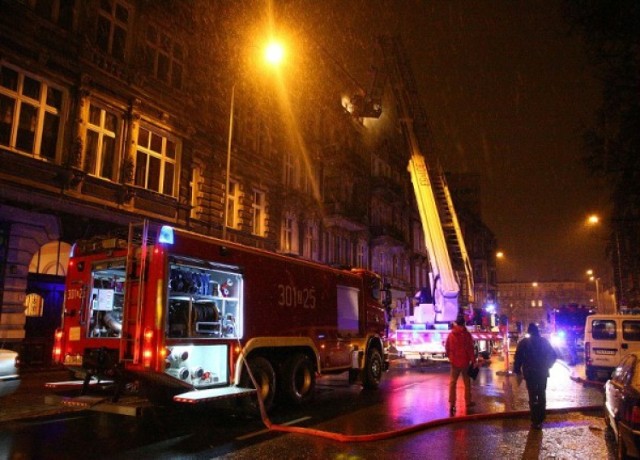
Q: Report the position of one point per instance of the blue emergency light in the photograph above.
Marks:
(166, 235)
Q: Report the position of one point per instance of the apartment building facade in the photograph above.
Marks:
(115, 111)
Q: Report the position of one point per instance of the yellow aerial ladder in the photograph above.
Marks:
(451, 272)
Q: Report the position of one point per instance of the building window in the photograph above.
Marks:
(59, 12)
(291, 174)
(113, 26)
(289, 237)
(165, 57)
(348, 251)
(337, 249)
(30, 112)
(258, 213)
(310, 245)
(156, 162)
(233, 202)
(196, 192)
(263, 143)
(326, 247)
(361, 254)
(101, 157)
(33, 305)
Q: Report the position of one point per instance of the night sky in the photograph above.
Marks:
(508, 92)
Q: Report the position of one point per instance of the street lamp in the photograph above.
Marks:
(274, 54)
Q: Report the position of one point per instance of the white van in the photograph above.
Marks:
(607, 338)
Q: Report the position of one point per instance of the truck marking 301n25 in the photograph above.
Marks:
(179, 314)
(290, 296)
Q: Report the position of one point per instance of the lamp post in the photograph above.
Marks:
(596, 280)
(594, 220)
(274, 54)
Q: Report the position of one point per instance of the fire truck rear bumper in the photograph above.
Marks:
(414, 355)
(131, 406)
(212, 394)
(76, 384)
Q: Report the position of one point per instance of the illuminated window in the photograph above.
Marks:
(233, 204)
(33, 305)
(51, 259)
(258, 213)
(101, 157)
(113, 26)
(310, 244)
(165, 57)
(30, 112)
(289, 237)
(156, 162)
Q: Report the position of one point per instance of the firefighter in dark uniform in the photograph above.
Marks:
(534, 357)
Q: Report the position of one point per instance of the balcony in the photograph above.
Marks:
(349, 217)
(386, 234)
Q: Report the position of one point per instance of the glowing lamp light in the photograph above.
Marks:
(490, 308)
(166, 235)
(274, 53)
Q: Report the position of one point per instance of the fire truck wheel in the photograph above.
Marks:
(372, 373)
(265, 377)
(298, 379)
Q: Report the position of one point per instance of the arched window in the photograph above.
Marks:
(51, 259)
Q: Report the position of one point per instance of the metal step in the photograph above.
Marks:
(212, 394)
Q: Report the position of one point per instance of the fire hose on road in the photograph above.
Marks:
(401, 431)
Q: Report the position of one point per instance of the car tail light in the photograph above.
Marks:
(57, 346)
(147, 349)
(587, 353)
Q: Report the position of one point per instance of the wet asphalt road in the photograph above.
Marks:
(409, 396)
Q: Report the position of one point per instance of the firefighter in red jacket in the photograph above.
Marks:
(459, 348)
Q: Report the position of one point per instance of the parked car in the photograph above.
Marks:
(9, 376)
(622, 405)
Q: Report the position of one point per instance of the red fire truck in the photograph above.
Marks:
(179, 314)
